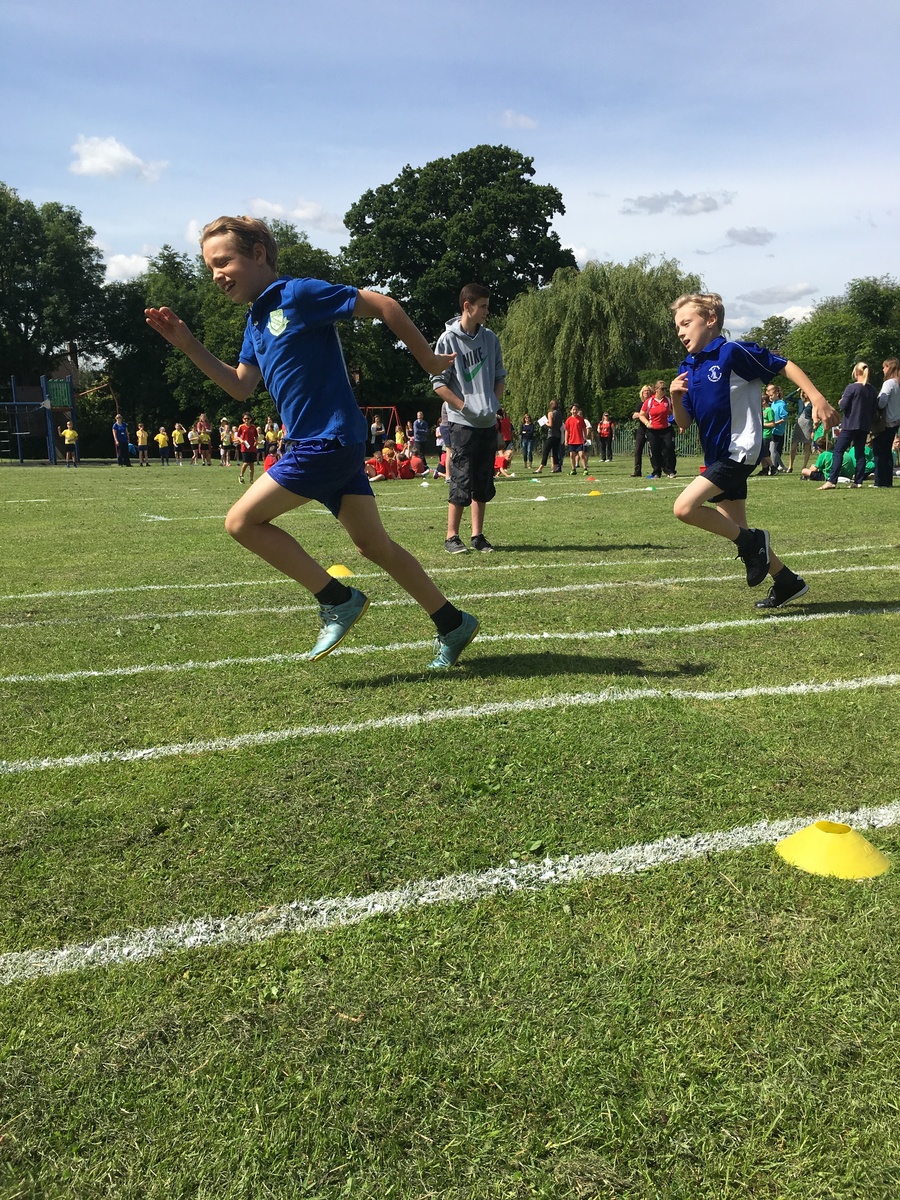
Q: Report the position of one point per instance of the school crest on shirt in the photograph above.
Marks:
(277, 322)
(715, 374)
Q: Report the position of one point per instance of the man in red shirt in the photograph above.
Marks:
(574, 436)
(247, 437)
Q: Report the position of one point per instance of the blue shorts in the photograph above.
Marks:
(324, 470)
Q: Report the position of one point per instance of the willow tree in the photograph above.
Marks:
(590, 330)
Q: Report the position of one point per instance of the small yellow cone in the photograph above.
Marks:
(827, 848)
(593, 493)
(339, 571)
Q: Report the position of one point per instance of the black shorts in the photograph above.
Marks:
(472, 465)
(248, 456)
(731, 477)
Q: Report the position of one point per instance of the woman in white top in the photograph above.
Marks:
(889, 404)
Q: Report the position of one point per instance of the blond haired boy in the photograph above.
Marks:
(720, 386)
(291, 342)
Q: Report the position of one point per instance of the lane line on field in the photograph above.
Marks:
(413, 719)
(569, 636)
(305, 917)
(481, 569)
(510, 594)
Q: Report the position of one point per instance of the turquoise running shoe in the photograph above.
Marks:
(336, 621)
(449, 646)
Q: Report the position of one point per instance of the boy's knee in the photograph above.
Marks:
(374, 546)
(236, 525)
(683, 509)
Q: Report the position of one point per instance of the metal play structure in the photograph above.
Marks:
(35, 413)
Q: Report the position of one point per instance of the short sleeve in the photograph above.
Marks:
(320, 303)
(248, 354)
(750, 361)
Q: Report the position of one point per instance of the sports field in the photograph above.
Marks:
(280, 929)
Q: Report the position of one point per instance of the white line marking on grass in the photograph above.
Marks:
(23, 501)
(481, 569)
(411, 720)
(510, 594)
(401, 647)
(301, 917)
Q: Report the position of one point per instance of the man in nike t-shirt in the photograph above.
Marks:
(472, 388)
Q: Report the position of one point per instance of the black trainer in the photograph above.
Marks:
(783, 593)
(754, 555)
(480, 542)
(455, 545)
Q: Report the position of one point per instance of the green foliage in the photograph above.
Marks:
(591, 331)
(773, 333)
(863, 323)
(474, 217)
(50, 286)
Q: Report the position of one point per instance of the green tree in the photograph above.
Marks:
(863, 323)
(773, 333)
(592, 330)
(51, 276)
(474, 217)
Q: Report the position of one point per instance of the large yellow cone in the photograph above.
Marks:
(339, 571)
(827, 848)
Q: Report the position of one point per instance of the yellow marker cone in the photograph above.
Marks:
(593, 493)
(339, 571)
(827, 848)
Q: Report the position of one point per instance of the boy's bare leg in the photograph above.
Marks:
(360, 517)
(726, 520)
(249, 522)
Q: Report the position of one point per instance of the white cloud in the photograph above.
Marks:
(782, 294)
(122, 267)
(582, 253)
(753, 235)
(510, 119)
(108, 157)
(677, 202)
(306, 212)
(192, 232)
(796, 312)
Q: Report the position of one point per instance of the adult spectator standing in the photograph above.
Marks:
(858, 406)
(606, 430)
(777, 428)
(552, 439)
(889, 405)
(656, 414)
(803, 431)
(473, 387)
(120, 441)
(640, 433)
(526, 440)
(376, 429)
(420, 434)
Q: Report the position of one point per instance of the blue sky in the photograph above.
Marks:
(757, 144)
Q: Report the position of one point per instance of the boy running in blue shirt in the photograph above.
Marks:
(291, 343)
(719, 387)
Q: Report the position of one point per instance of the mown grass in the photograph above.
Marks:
(721, 1027)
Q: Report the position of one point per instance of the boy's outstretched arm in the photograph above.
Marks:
(239, 382)
(386, 309)
(822, 410)
(677, 390)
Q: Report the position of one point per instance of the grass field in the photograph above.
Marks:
(204, 819)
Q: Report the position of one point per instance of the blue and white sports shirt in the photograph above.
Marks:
(291, 337)
(724, 397)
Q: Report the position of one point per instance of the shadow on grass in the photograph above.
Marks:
(536, 664)
(589, 548)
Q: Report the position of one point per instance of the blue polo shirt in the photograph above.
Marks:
(291, 337)
(724, 397)
(779, 416)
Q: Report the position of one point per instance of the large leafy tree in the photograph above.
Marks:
(773, 333)
(51, 277)
(592, 329)
(863, 323)
(475, 217)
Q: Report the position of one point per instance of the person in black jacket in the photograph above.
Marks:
(858, 406)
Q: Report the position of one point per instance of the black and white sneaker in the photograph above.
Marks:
(455, 545)
(754, 555)
(480, 542)
(783, 593)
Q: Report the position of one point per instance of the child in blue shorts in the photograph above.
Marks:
(291, 343)
(720, 387)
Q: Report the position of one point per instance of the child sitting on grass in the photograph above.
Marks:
(719, 387)
(291, 342)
